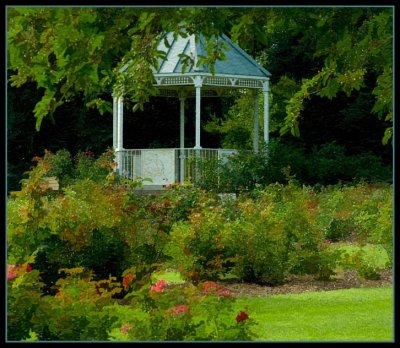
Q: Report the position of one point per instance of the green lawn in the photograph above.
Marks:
(364, 314)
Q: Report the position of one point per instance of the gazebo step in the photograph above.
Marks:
(150, 189)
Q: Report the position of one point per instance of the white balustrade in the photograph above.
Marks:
(164, 166)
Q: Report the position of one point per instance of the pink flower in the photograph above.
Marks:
(242, 316)
(224, 292)
(159, 286)
(125, 328)
(12, 272)
(181, 309)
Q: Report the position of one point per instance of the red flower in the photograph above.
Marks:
(181, 309)
(242, 316)
(28, 268)
(159, 286)
(127, 280)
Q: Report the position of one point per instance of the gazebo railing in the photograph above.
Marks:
(167, 166)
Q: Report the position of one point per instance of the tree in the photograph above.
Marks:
(353, 44)
(325, 63)
(68, 51)
(82, 50)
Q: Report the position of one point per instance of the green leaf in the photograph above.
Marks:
(295, 130)
(135, 107)
(145, 19)
(44, 107)
(102, 105)
(32, 336)
(212, 69)
(87, 16)
(166, 43)
(387, 136)
(331, 89)
(97, 41)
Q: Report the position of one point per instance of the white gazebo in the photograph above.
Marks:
(231, 76)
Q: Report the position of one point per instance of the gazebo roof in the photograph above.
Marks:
(238, 62)
(231, 76)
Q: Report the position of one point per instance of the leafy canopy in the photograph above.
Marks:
(69, 51)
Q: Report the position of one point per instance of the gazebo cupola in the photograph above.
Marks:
(231, 76)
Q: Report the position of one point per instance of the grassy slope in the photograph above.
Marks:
(340, 315)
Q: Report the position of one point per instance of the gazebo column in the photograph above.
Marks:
(115, 116)
(198, 83)
(120, 133)
(266, 112)
(255, 130)
(182, 140)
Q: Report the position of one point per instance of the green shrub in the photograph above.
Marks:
(322, 263)
(167, 312)
(84, 165)
(263, 241)
(88, 167)
(362, 213)
(75, 312)
(23, 300)
(374, 217)
(195, 247)
(340, 229)
(87, 224)
(164, 209)
(25, 212)
(327, 164)
(280, 236)
(243, 171)
(368, 260)
(101, 232)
